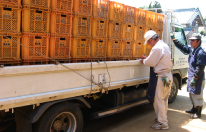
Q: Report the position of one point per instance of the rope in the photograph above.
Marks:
(105, 88)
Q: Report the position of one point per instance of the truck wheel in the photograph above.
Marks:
(174, 90)
(64, 117)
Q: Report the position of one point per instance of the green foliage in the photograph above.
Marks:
(144, 7)
(155, 4)
(203, 32)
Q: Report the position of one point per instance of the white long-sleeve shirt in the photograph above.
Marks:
(159, 58)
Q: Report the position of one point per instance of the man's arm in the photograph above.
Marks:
(183, 48)
(200, 62)
(153, 58)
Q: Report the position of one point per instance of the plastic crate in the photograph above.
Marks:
(80, 60)
(10, 19)
(37, 47)
(10, 50)
(140, 17)
(160, 21)
(83, 7)
(147, 49)
(114, 49)
(139, 33)
(99, 27)
(35, 20)
(128, 31)
(138, 49)
(65, 6)
(60, 47)
(116, 11)
(99, 47)
(101, 8)
(11, 2)
(151, 19)
(61, 23)
(127, 47)
(81, 25)
(35, 62)
(129, 14)
(159, 31)
(37, 3)
(80, 48)
(115, 30)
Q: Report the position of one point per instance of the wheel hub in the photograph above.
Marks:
(64, 122)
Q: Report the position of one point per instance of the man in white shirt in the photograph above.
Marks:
(160, 64)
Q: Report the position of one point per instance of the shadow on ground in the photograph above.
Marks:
(142, 117)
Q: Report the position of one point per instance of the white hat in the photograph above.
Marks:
(196, 36)
(148, 35)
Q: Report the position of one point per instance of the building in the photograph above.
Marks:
(191, 19)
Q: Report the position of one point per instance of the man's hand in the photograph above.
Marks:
(172, 36)
(165, 82)
(142, 58)
(193, 82)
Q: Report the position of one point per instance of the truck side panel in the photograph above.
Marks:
(27, 85)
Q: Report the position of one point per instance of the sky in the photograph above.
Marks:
(169, 4)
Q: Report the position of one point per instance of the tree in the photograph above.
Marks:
(203, 32)
(155, 4)
(144, 7)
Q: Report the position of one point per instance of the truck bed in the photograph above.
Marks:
(35, 84)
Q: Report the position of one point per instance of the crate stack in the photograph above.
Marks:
(159, 25)
(115, 30)
(128, 33)
(81, 31)
(35, 31)
(99, 30)
(140, 29)
(60, 29)
(73, 31)
(10, 22)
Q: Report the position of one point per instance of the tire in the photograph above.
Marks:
(63, 117)
(174, 90)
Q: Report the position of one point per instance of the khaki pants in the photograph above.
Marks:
(161, 100)
(197, 100)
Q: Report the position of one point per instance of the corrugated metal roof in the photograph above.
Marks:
(186, 16)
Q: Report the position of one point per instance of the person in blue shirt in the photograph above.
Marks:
(196, 74)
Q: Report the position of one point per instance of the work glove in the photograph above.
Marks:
(193, 82)
(165, 82)
(172, 36)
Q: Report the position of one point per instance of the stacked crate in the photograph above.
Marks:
(140, 29)
(35, 31)
(81, 31)
(60, 26)
(73, 31)
(151, 22)
(159, 24)
(10, 34)
(154, 21)
(99, 30)
(115, 30)
(128, 33)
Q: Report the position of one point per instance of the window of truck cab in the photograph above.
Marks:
(180, 35)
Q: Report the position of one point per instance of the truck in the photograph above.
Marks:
(57, 97)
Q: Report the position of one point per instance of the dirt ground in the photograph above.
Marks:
(141, 118)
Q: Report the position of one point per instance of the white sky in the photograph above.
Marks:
(169, 4)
